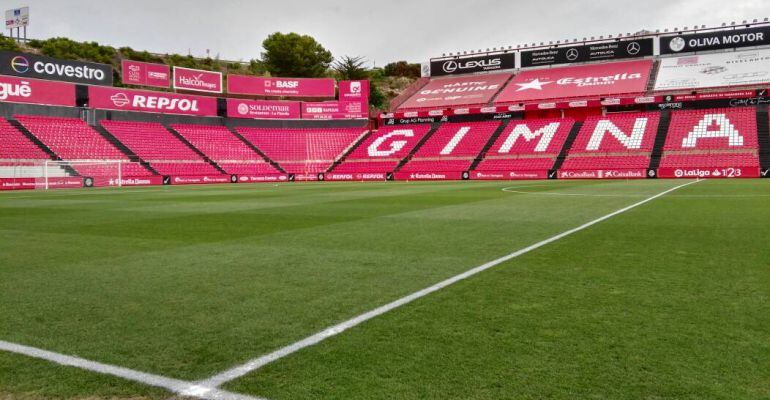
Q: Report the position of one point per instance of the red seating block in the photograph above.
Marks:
(302, 150)
(14, 145)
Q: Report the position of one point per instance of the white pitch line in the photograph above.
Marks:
(259, 362)
(183, 388)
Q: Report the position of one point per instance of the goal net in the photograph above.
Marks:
(92, 172)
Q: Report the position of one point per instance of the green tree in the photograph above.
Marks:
(294, 55)
(403, 68)
(8, 44)
(350, 68)
(376, 98)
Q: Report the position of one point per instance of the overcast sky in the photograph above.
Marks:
(381, 31)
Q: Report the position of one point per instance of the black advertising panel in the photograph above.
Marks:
(41, 67)
(717, 40)
(473, 64)
(617, 50)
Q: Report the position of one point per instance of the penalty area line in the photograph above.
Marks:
(259, 362)
(180, 387)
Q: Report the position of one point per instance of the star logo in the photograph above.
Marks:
(572, 54)
(536, 84)
(633, 48)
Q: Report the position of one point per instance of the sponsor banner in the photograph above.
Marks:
(263, 109)
(16, 18)
(457, 91)
(128, 181)
(19, 90)
(356, 176)
(603, 174)
(738, 68)
(145, 74)
(305, 177)
(263, 178)
(290, 87)
(197, 80)
(594, 80)
(41, 67)
(727, 39)
(508, 175)
(591, 52)
(335, 110)
(428, 176)
(17, 184)
(199, 179)
(147, 101)
(354, 91)
(706, 172)
(469, 65)
(39, 183)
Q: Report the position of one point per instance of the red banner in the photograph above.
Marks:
(603, 174)
(17, 183)
(145, 74)
(19, 90)
(200, 179)
(465, 90)
(719, 172)
(128, 181)
(263, 109)
(197, 80)
(357, 176)
(428, 176)
(39, 183)
(354, 91)
(291, 87)
(508, 175)
(147, 101)
(335, 110)
(263, 178)
(595, 80)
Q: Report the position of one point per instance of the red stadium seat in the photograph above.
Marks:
(615, 142)
(303, 151)
(156, 145)
(712, 138)
(384, 150)
(530, 145)
(229, 152)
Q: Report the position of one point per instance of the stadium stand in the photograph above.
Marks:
(15, 146)
(72, 139)
(302, 151)
(383, 150)
(621, 141)
(531, 145)
(156, 145)
(459, 91)
(453, 147)
(224, 148)
(713, 138)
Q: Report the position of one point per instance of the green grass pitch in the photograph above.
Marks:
(670, 300)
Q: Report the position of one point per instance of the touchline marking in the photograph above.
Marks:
(183, 388)
(259, 362)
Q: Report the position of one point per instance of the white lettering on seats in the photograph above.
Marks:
(634, 141)
(546, 133)
(724, 128)
(455, 140)
(395, 146)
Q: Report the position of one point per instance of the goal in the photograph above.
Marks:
(111, 172)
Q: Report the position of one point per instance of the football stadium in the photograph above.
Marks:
(581, 218)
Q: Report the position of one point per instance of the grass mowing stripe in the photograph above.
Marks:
(263, 360)
(180, 387)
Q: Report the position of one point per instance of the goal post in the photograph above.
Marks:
(111, 171)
